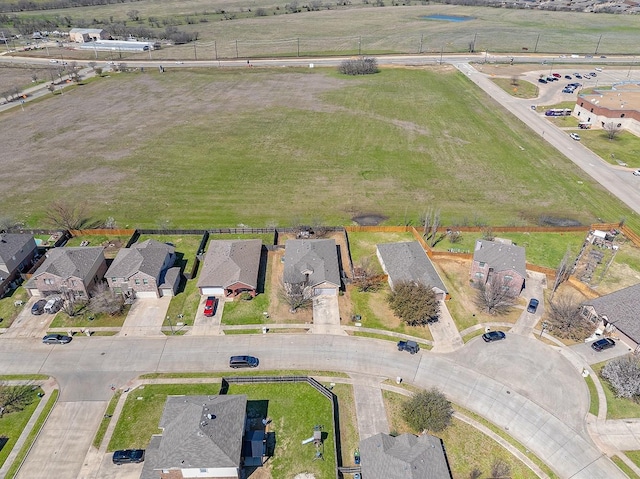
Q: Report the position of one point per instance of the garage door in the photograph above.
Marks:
(213, 291)
(325, 291)
(146, 294)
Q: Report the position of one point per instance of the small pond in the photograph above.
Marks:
(447, 18)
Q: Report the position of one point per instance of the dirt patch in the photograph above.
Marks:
(368, 219)
(278, 308)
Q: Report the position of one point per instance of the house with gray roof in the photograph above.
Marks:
(230, 267)
(499, 261)
(404, 457)
(74, 270)
(142, 271)
(407, 262)
(202, 436)
(81, 35)
(313, 263)
(619, 312)
(17, 251)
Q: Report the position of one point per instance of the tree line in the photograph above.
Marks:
(26, 5)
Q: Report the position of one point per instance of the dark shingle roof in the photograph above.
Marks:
(316, 257)
(500, 256)
(231, 261)
(192, 439)
(403, 457)
(621, 309)
(147, 257)
(10, 246)
(408, 262)
(74, 261)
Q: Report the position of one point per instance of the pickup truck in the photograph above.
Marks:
(410, 346)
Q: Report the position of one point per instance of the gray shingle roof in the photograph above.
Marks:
(622, 309)
(231, 261)
(192, 439)
(316, 257)
(403, 457)
(73, 261)
(10, 246)
(408, 262)
(147, 257)
(500, 256)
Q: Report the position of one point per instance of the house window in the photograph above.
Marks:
(48, 281)
(508, 278)
(482, 264)
(114, 279)
(145, 281)
(137, 281)
(479, 275)
(202, 469)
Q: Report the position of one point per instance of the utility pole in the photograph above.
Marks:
(598, 45)
(195, 52)
(535, 49)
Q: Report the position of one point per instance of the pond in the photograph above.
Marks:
(447, 18)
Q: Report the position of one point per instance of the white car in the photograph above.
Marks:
(53, 61)
(636, 172)
(575, 136)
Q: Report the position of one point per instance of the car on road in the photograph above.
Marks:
(636, 172)
(493, 336)
(533, 305)
(411, 346)
(575, 136)
(243, 362)
(210, 306)
(128, 456)
(56, 339)
(604, 343)
(38, 307)
(53, 61)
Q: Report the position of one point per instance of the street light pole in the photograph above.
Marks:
(632, 62)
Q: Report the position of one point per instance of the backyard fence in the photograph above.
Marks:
(326, 392)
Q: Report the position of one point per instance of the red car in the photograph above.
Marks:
(210, 306)
(557, 75)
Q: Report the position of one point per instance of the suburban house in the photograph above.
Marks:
(404, 457)
(618, 312)
(230, 268)
(408, 262)
(74, 270)
(144, 270)
(314, 264)
(81, 35)
(17, 251)
(203, 437)
(502, 261)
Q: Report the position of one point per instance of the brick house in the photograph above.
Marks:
(618, 313)
(205, 437)
(144, 270)
(81, 35)
(503, 262)
(313, 263)
(230, 268)
(75, 270)
(17, 251)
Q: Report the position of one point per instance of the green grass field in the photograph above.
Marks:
(12, 424)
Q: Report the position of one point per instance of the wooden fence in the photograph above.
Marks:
(583, 288)
(631, 235)
(102, 232)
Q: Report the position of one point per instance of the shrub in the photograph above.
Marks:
(428, 411)
(623, 374)
(359, 66)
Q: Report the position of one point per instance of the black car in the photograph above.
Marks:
(533, 305)
(128, 456)
(56, 339)
(410, 346)
(604, 343)
(38, 307)
(568, 77)
(542, 80)
(243, 362)
(493, 336)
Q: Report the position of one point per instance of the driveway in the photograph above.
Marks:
(326, 315)
(535, 285)
(590, 356)
(28, 325)
(207, 325)
(446, 337)
(145, 317)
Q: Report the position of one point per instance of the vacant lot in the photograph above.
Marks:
(207, 147)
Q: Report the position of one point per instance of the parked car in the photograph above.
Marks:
(56, 339)
(604, 343)
(410, 346)
(493, 336)
(210, 306)
(577, 75)
(568, 77)
(557, 75)
(533, 305)
(53, 306)
(128, 456)
(53, 61)
(38, 307)
(575, 136)
(542, 80)
(243, 362)
(568, 89)
(636, 173)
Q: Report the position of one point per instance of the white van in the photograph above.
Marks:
(53, 306)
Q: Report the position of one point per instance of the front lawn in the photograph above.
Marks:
(617, 408)
(12, 424)
(8, 309)
(625, 147)
(82, 319)
(241, 311)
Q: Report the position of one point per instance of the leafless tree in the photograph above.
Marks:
(566, 320)
(431, 223)
(105, 300)
(495, 296)
(70, 302)
(562, 272)
(623, 374)
(15, 398)
(296, 295)
(74, 71)
(500, 470)
(110, 223)
(612, 129)
(34, 76)
(8, 223)
(487, 234)
(134, 15)
(366, 278)
(454, 236)
(61, 214)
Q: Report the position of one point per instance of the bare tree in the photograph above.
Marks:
(495, 296)
(500, 470)
(431, 223)
(566, 320)
(365, 277)
(134, 15)
(105, 300)
(92, 65)
(487, 234)
(15, 398)
(8, 223)
(623, 374)
(296, 295)
(562, 272)
(515, 80)
(612, 129)
(61, 214)
(70, 302)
